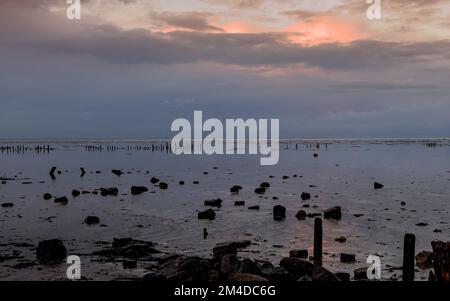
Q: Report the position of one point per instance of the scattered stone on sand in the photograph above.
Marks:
(181, 183)
(207, 214)
(51, 252)
(360, 274)
(316, 155)
(301, 215)
(196, 182)
(75, 193)
(260, 190)
(214, 203)
(305, 196)
(348, 258)
(7, 205)
(239, 203)
(298, 253)
(264, 185)
(154, 180)
(137, 190)
(279, 213)
(424, 260)
(91, 220)
(285, 177)
(403, 203)
(341, 239)
(62, 200)
(377, 186)
(253, 208)
(163, 185)
(113, 191)
(333, 213)
(421, 224)
(235, 189)
(117, 172)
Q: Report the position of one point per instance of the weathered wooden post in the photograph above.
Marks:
(408, 257)
(318, 241)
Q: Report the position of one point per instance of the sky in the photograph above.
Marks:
(128, 68)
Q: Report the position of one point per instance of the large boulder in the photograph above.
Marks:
(51, 251)
(279, 213)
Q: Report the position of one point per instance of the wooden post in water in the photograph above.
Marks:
(409, 257)
(318, 241)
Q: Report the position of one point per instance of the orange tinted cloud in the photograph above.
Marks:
(238, 27)
(324, 29)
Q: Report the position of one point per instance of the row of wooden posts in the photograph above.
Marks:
(408, 250)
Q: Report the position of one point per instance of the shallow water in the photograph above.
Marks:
(342, 175)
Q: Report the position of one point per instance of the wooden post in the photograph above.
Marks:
(408, 257)
(318, 241)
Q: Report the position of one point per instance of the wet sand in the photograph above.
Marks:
(414, 199)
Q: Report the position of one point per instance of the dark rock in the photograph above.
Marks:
(424, 260)
(226, 248)
(47, 196)
(51, 251)
(239, 203)
(7, 205)
(185, 269)
(196, 182)
(62, 200)
(109, 191)
(343, 276)
(235, 189)
(441, 260)
(333, 213)
(341, 239)
(136, 190)
(154, 180)
(422, 224)
(279, 213)
(214, 203)
(181, 183)
(285, 177)
(301, 215)
(117, 172)
(207, 214)
(163, 185)
(129, 264)
(75, 193)
(260, 190)
(377, 186)
(348, 258)
(313, 215)
(316, 155)
(298, 253)
(360, 274)
(322, 274)
(243, 277)
(229, 264)
(264, 185)
(253, 208)
(129, 248)
(305, 196)
(91, 220)
(297, 267)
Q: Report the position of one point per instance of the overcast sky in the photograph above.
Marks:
(128, 68)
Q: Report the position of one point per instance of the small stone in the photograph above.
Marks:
(154, 180)
(260, 190)
(75, 193)
(305, 196)
(333, 213)
(207, 214)
(341, 239)
(117, 172)
(136, 190)
(264, 185)
(298, 253)
(279, 213)
(239, 203)
(7, 205)
(253, 208)
(91, 220)
(163, 185)
(181, 183)
(235, 189)
(62, 200)
(377, 186)
(214, 203)
(301, 215)
(348, 258)
(47, 196)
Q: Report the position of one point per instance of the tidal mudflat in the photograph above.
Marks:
(102, 192)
